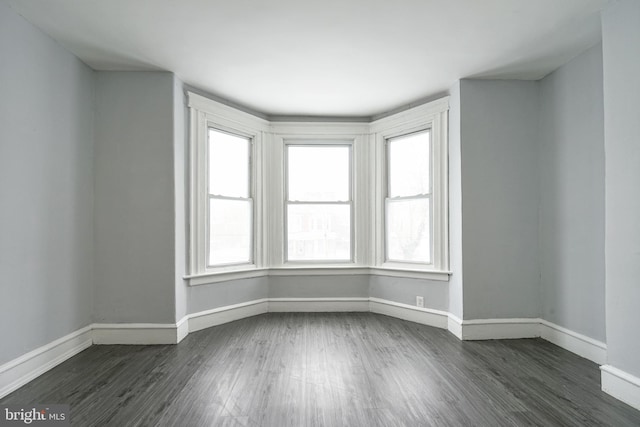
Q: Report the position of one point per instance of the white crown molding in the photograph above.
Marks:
(225, 114)
(421, 113)
(311, 129)
(17, 372)
(621, 385)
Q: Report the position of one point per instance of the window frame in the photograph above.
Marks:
(328, 142)
(434, 118)
(367, 174)
(204, 115)
(250, 198)
(388, 199)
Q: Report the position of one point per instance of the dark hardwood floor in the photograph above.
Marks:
(329, 369)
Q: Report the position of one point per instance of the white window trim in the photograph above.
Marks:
(207, 114)
(432, 116)
(317, 132)
(250, 198)
(309, 142)
(368, 191)
(388, 200)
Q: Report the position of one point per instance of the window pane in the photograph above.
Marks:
(408, 230)
(319, 232)
(228, 164)
(409, 165)
(229, 231)
(318, 173)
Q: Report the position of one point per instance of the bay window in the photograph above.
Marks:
(291, 198)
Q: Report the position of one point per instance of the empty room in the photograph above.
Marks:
(320, 213)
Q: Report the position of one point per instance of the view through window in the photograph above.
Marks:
(408, 202)
(318, 202)
(230, 207)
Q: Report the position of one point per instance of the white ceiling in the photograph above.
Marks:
(322, 57)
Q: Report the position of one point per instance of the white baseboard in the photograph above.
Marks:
(25, 368)
(621, 385)
(135, 333)
(500, 329)
(228, 313)
(17, 372)
(425, 316)
(182, 329)
(454, 325)
(579, 344)
(318, 305)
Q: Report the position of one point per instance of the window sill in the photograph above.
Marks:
(224, 276)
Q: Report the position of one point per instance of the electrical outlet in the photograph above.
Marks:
(420, 301)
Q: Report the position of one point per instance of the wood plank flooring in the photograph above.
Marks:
(329, 369)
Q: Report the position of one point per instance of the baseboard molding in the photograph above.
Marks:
(228, 313)
(318, 305)
(454, 325)
(500, 329)
(135, 333)
(182, 329)
(425, 316)
(17, 372)
(582, 345)
(621, 385)
(20, 371)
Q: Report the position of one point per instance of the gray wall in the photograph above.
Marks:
(348, 286)
(515, 147)
(621, 41)
(46, 189)
(499, 131)
(456, 290)
(134, 201)
(180, 159)
(571, 169)
(207, 297)
(403, 290)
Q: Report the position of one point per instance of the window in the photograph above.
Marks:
(408, 202)
(230, 208)
(318, 202)
(316, 198)
(411, 193)
(226, 184)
